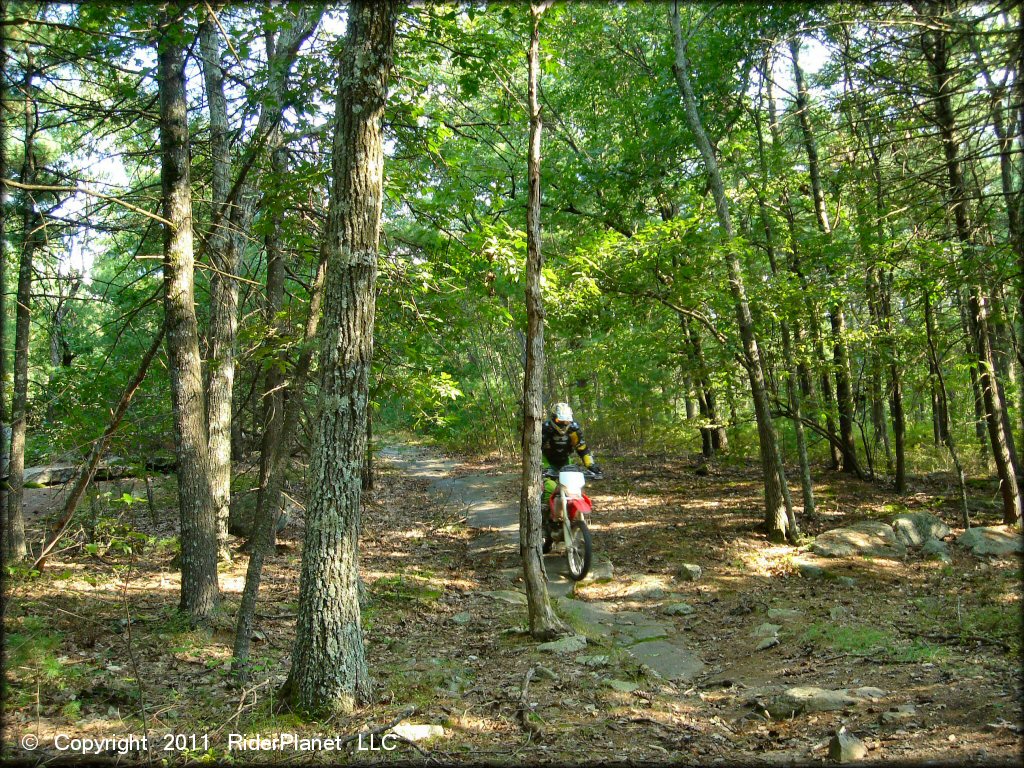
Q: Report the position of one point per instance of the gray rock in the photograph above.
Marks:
(601, 570)
(992, 540)
(543, 673)
(837, 612)
(867, 692)
(593, 661)
(844, 747)
(810, 570)
(765, 630)
(915, 528)
(622, 686)
(768, 642)
(811, 699)
(898, 714)
(870, 537)
(936, 549)
(670, 661)
(846, 581)
(679, 609)
(689, 572)
(462, 618)
(785, 614)
(508, 596)
(569, 644)
(639, 632)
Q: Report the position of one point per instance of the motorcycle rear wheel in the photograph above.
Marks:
(579, 550)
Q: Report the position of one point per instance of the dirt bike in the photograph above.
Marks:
(566, 517)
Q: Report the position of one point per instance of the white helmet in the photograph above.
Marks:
(562, 414)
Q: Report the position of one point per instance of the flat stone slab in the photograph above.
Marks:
(807, 698)
(622, 686)
(992, 540)
(570, 644)
(507, 596)
(869, 537)
(670, 661)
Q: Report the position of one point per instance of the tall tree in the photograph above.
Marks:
(199, 588)
(544, 624)
(779, 516)
(329, 672)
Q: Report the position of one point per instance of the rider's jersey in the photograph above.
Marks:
(558, 446)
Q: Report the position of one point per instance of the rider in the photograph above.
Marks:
(560, 436)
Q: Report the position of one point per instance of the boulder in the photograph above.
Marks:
(915, 528)
(992, 540)
(679, 609)
(417, 731)
(870, 537)
(462, 618)
(844, 747)
(507, 596)
(765, 630)
(802, 699)
(622, 686)
(785, 614)
(937, 549)
(689, 572)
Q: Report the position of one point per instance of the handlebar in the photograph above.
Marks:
(587, 473)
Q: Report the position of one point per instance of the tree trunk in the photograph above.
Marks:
(837, 317)
(32, 224)
(778, 512)
(939, 416)
(5, 443)
(223, 324)
(329, 672)
(199, 589)
(544, 624)
(935, 46)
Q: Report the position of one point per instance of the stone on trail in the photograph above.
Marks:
(869, 537)
(765, 630)
(804, 699)
(569, 644)
(992, 540)
(868, 692)
(915, 528)
(462, 618)
(846, 748)
(838, 612)
(898, 714)
(937, 549)
(508, 596)
(668, 660)
(768, 642)
(543, 673)
(593, 661)
(679, 609)
(785, 614)
(689, 572)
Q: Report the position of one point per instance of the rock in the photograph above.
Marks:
(622, 686)
(809, 699)
(601, 570)
(765, 630)
(768, 642)
(593, 661)
(679, 609)
(462, 618)
(992, 540)
(508, 596)
(543, 673)
(689, 572)
(898, 714)
(870, 537)
(785, 614)
(867, 692)
(916, 528)
(670, 661)
(846, 748)
(417, 731)
(570, 644)
(654, 593)
(846, 581)
(936, 549)
(837, 612)
(810, 570)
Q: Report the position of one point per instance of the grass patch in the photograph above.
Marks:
(399, 589)
(855, 639)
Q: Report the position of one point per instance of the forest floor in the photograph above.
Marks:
(95, 647)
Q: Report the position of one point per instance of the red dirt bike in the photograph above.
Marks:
(566, 517)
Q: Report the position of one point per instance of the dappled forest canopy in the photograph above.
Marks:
(871, 157)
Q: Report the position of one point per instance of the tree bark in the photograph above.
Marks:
(5, 443)
(935, 47)
(778, 512)
(837, 317)
(223, 323)
(32, 233)
(544, 624)
(329, 672)
(199, 589)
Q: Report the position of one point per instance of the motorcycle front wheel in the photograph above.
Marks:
(579, 550)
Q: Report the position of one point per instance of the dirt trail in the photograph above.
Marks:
(495, 521)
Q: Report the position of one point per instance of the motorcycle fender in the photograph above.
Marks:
(580, 506)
